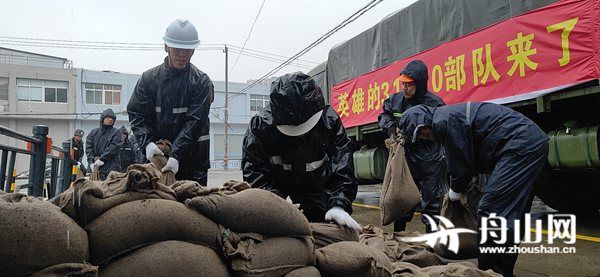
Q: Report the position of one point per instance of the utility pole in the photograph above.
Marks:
(226, 150)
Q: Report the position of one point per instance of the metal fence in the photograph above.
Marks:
(39, 150)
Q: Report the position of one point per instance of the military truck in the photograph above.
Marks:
(540, 58)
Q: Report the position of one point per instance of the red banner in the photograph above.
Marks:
(520, 58)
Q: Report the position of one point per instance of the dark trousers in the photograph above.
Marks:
(195, 165)
(509, 193)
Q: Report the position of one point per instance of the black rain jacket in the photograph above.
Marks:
(314, 169)
(103, 143)
(475, 135)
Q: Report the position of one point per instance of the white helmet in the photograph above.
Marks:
(181, 34)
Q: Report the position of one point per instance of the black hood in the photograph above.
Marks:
(123, 130)
(108, 113)
(417, 70)
(294, 99)
(413, 117)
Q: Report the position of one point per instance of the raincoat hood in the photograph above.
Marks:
(108, 113)
(295, 98)
(417, 70)
(415, 118)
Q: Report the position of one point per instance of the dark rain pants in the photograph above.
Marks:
(509, 193)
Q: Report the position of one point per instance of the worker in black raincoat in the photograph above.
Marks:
(486, 138)
(171, 101)
(298, 147)
(77, 152)
(126, 151)
(426, 162)
(102, 145)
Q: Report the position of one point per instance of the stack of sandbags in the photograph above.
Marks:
(37, 238)
(398, 250)
(86, 200)
(262, 234)
(399, 193)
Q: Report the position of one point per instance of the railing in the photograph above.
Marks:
(220, 164)
(39, 151)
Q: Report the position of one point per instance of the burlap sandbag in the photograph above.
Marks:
(187, 189)
(349, 258)
(69, 269)
(167, 178)
(399, 194)
(135, 224)
(308, 271)
(252, 254)
(328, 233)
(252, 211)
(95, 176)
(463, 269)
(461, 216)
(168, 258)
(396, 249)
(35, 234)
(86, 200)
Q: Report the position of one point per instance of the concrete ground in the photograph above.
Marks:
(585, 262)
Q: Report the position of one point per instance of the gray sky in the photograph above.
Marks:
(284, 27)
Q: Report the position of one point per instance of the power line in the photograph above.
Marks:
(265, 58)
(247, 38)
(347, 21)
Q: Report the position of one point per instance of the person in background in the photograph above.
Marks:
(102, 145)
(77, 152)
(126, 151)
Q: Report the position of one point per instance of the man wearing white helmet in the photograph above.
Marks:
(298, 148)
(171, 101)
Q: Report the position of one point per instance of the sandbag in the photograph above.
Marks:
(399, 193)
(402, 269)
(35, 234)
(398, 250)
(308, 271)
(187, 189)
(349, 258)
(252, 254)
(86, 200)
(461, 217)
(168, 258)
(135, 224)
(69, 269)
(252, 211)
(328, 233)
(95, 176)
(167, 178)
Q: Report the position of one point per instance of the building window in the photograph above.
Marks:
(258, 102)
(3, 88)
(42, 90)
(103, 94)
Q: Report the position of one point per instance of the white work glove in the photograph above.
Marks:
(79, 164)
(454, 196)
(172, 165)
(342, 218)
(98, 163)
(151, 150)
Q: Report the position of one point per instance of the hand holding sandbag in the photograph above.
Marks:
(342, 218)
(172, 165)
(453, 196)
(98, 163)
(151, 150)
